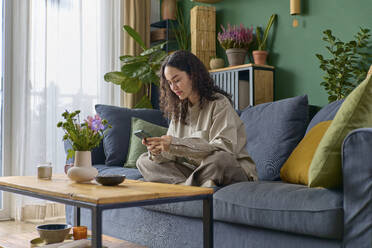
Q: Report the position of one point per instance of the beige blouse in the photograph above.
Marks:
(215, 127)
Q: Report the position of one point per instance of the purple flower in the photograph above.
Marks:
(235, 37)
(95, 123)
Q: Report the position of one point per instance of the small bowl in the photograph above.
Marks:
(110, 180)
(53, 233)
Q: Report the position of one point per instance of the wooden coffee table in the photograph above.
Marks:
(97, 198)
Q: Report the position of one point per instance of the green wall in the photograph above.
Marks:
(292, 50)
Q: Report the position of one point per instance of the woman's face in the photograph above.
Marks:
(180, 83)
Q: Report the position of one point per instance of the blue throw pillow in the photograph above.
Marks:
(327, 113)
(273, 130)
(116, 140)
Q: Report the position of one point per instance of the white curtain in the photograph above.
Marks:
(61, 50)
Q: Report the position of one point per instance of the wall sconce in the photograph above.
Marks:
(295, 9)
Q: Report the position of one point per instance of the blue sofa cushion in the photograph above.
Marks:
(116, 140)
(282, 206)
(327, 113)
(129, 173)
(273, 131)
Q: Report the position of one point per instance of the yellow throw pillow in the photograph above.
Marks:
(296, 168)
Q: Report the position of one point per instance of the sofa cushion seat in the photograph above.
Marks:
(130, 173)
(282, 206)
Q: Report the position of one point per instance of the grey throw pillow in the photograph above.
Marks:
(327, 113)
(273, 130)
(116, 140)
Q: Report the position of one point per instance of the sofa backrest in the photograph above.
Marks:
(327, 113)
(273, 130)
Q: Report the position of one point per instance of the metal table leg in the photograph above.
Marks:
(76, 216)
(208, 222)
(96, 227)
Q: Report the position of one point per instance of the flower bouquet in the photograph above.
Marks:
(84, 136)
(236, 41)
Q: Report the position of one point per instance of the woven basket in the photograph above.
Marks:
(203, 33)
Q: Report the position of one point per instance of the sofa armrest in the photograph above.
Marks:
(98, 155)
(357, 186)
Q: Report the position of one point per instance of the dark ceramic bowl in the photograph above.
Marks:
(53, 233)
(110, 180)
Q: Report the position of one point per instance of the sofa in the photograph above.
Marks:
(264, 213)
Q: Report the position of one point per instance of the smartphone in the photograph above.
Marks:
(141, 134)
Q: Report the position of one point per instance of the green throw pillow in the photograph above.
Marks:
(135, 146)
(355, 112)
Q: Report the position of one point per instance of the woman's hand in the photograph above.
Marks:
(156, 145)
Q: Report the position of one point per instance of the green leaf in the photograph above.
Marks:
(149, 77)
(134, 70)
(154, 49)
(131, 85)
(144, 103)
(133, 33)
(258, 36)
(132, 59)
(319, 56)
(70, 154)
(158, 57)
(115, 77)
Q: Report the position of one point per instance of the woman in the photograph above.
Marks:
(205, 142)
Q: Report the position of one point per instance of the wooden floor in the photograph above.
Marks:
(18, 235)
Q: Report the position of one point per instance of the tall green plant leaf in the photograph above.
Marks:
(133, 33)
(262, 43)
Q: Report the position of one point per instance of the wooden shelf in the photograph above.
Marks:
(241, 67)
(248, 84)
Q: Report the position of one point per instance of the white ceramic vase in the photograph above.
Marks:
(82, 171)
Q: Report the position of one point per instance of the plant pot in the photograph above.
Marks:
(82, 171)
(168, 9)
(216, 63)
(236, 56)
(259, 57)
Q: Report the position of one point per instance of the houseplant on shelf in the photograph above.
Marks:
(260, 55)
(139, 71)
(236, 41)
(348, 64)
(83, 138)
(180, 30)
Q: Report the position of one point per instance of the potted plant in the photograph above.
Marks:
(83, 137)
(348, 64)
(139, 71)
(260, 55)
(168, 9)
(180, 31)
(236, 41)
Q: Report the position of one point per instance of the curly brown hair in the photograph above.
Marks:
(202, 82)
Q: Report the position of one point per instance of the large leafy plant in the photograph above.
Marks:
(262, 41)
(348, 64)
(139, 71)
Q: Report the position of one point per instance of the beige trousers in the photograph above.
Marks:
(220, 167)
